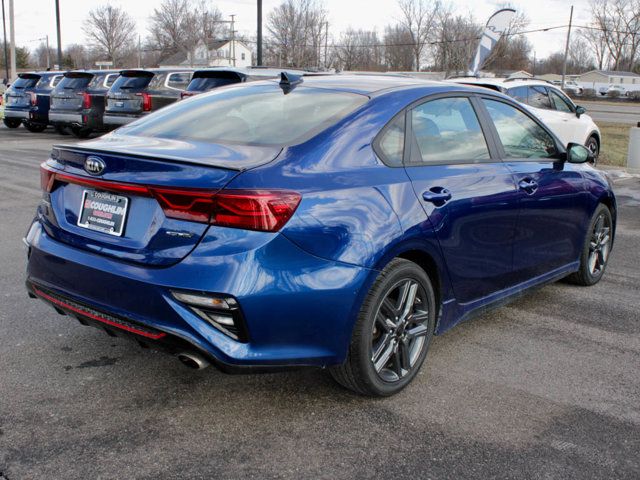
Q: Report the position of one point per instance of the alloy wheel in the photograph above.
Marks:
(399, 330)
(599, 245)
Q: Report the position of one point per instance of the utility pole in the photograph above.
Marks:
(534, 64)
(233, 40)
(12, 35)
(326, 43)
(6, 53)
(48, 56)
(58, 31)
(259, 42)
(566, 48)
(139, 53)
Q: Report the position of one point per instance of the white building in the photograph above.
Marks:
(602, 79)
(216, 53)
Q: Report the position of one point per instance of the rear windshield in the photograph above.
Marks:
(25, 82)
(259, 114)
(73, 83)
(48, 81)
(202, 84)
(131, 83)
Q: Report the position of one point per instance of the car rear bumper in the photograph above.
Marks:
(298, 309)
(22, 114)
(117, 120)
(65, 118)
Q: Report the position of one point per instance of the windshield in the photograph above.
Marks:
(25, 82)
(260, 114)
(73, 83)
(131, 83)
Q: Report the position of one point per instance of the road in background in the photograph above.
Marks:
(627, 113)
(546, 387)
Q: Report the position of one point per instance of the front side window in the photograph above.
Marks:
(538, 97)
(559, 102)
(391, 143)
(447, 129)
(521, 137)
(260, 114)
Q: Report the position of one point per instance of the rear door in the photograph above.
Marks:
(19, 95)
(68, 94)
(125, 95)
(466, 191)
(551, 194)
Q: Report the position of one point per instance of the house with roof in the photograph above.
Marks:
(602, 79)
(214, 53)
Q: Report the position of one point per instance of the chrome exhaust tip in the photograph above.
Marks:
(193, 360)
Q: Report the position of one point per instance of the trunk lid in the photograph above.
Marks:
(148, 237)
(68, 93)
(19, 95)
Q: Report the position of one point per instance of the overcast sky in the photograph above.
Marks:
(36, 18)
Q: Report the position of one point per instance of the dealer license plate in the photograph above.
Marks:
(103, 212)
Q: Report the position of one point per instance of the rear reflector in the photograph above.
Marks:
(262, 210)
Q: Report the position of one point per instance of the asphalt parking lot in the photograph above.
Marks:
(547, 387)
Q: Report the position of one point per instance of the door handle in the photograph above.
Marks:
(528, 185)
(437, 195)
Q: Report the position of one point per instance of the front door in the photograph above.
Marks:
(551, 193)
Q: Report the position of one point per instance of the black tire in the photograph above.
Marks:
(594, 147)
(12, 122)
(81, 132)
(35, 127)
(358, 372)
(594, 245)
(61, 130)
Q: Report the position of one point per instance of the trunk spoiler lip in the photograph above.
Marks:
(169, 158)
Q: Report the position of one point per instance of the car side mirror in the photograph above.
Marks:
(580, 111)
(577, 153)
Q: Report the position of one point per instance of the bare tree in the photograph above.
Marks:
(456, 41)
(359, 50)
(297, 29)
(181, 25)
(580, 56)
(619, 21)
(597, 42)
(418, 19)
(111, 30)
(398, 54)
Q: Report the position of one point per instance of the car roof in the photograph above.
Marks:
(366, 84)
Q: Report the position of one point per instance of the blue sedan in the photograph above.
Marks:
(326, 221)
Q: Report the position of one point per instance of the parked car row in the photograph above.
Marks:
(86, 101)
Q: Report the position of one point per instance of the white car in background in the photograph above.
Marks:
(567, 120)
(572, 87)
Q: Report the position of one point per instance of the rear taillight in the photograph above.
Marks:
(186, 94)
(146, 101)
(34, 99)
(263, 210)
(86, 100)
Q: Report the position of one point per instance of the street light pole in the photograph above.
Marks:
(12, 35)
(6, 53)
(566, 48)
(58, 32)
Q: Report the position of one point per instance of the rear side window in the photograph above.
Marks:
(110, 79)
(260, 114)
(519, 93)
(447, 129)
(179, 80)
(56, 80)
(538, 97)
(131, 82)
(390, 144)
(520, 136)
(48, 81)
(559, 102)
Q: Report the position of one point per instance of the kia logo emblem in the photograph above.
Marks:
(94, 165)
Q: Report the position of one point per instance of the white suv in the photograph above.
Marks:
(567, 120)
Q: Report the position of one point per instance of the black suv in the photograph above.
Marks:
(210, 78)
(138, 92)
(78, 101)
(28, 100)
